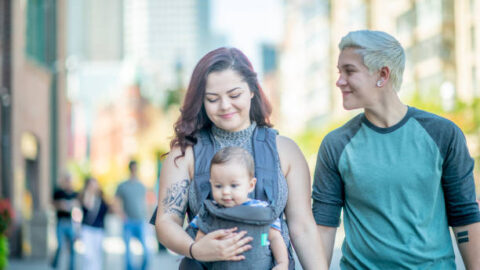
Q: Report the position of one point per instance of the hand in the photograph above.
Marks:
(281, 266)
(222, 245)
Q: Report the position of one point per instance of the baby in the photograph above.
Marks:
(232, 178)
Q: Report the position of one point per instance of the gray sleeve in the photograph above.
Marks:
(457, 172)
(119, 192)
(328, 192)
(458, 183)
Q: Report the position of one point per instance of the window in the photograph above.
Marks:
(41, 31)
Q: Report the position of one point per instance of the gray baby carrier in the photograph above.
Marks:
(266, 189)
(255, 220)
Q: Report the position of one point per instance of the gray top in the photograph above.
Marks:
(132, 193)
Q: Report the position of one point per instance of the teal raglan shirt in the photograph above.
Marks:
(400, 189)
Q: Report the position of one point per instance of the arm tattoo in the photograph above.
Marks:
(462, 237)
(176, 199)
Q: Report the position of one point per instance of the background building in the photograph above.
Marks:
(35, 116)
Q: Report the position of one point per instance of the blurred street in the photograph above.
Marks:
(114, 250)
(114, 253)
(83, 94)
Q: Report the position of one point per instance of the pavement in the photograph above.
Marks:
(114, 250)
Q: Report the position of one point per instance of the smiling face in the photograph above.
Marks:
(231, 183)
(227, 100)
(357, 84)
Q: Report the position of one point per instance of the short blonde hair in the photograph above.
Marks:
(378, 50)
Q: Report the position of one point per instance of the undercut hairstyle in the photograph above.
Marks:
(234, 154)
(378, 49)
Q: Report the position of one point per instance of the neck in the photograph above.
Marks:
(387, 112)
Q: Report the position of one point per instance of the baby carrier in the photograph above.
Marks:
(255, 220)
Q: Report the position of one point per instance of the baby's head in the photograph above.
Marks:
(232, 176)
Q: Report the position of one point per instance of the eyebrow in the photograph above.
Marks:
(346, 66)
(229, 91)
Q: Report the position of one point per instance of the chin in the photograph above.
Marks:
(351, 106)
(231, 127)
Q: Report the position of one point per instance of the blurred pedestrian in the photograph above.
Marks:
(131, 206)
(64, 199)
(94, 210)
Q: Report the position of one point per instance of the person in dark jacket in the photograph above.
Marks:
(64, 200)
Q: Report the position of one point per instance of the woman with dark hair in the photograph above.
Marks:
(94, 210)
(225, 106)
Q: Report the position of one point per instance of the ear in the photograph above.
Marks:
(252, 183)
(384, 76)
(252, 94)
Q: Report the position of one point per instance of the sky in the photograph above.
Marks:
(248, 23)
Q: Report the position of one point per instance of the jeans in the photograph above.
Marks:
(92, 238)
(65, 233)
(136, 229)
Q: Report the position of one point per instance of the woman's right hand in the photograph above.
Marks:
(222, 245)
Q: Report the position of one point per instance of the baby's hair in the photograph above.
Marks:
(233, 153)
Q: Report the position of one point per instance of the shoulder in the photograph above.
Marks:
(443, 131)
(287, 149)
(346, 131)
(175, 158)
(285, 144)
(432, 121)
(176, 166)
(58, 194)
(119, 191)
(290, 155)
(336, 140)
(122, 185)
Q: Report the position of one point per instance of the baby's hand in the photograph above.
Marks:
(281, 266)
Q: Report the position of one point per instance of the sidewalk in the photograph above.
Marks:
(163, 260)
(114, 250)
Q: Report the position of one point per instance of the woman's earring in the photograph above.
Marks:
(379, 83)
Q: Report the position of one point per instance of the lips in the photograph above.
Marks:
(346, 93)
(227, 115)
(227, 201)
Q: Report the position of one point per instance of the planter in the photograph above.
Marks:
(3, 252)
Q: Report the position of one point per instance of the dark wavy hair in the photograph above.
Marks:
(193, 116)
